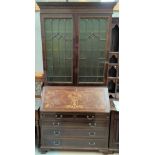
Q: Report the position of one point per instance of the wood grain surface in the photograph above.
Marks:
(79, 99)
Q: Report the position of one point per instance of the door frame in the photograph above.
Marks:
(45, 65)
(107, 48)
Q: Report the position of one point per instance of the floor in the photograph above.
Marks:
(69, 153)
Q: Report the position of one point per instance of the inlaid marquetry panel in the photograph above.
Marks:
(82, 99)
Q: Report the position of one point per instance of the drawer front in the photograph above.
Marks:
(85, 124)
(74, 116)
(70, 132)
(74, 143)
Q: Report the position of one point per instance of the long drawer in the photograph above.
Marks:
(74, 143)
(82, 124)
(74, 116)
(73, 132)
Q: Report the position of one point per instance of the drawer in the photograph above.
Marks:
(74, 143)
(74, 132)
(85, 124)
(74, 116)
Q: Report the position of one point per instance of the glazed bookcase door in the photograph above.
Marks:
(59, 49)
(92, 49)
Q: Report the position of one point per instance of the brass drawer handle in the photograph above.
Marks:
(92, 124)
(56, 132)
(92, 133)
(92, 143)
(56, 123)
(90, 117)
(56, 142)
(58, 116)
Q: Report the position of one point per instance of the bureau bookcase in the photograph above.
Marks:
(75, 110)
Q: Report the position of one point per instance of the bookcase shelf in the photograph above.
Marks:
(113, 62)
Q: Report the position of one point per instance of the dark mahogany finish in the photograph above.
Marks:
(113, 65)
(114, 129)
(75, 118)
(77, 11)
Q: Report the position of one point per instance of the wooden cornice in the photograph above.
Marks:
(116, 7)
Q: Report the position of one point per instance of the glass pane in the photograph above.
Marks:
(58, 35)
(92, 49)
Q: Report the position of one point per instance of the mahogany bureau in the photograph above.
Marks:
(74, 118)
